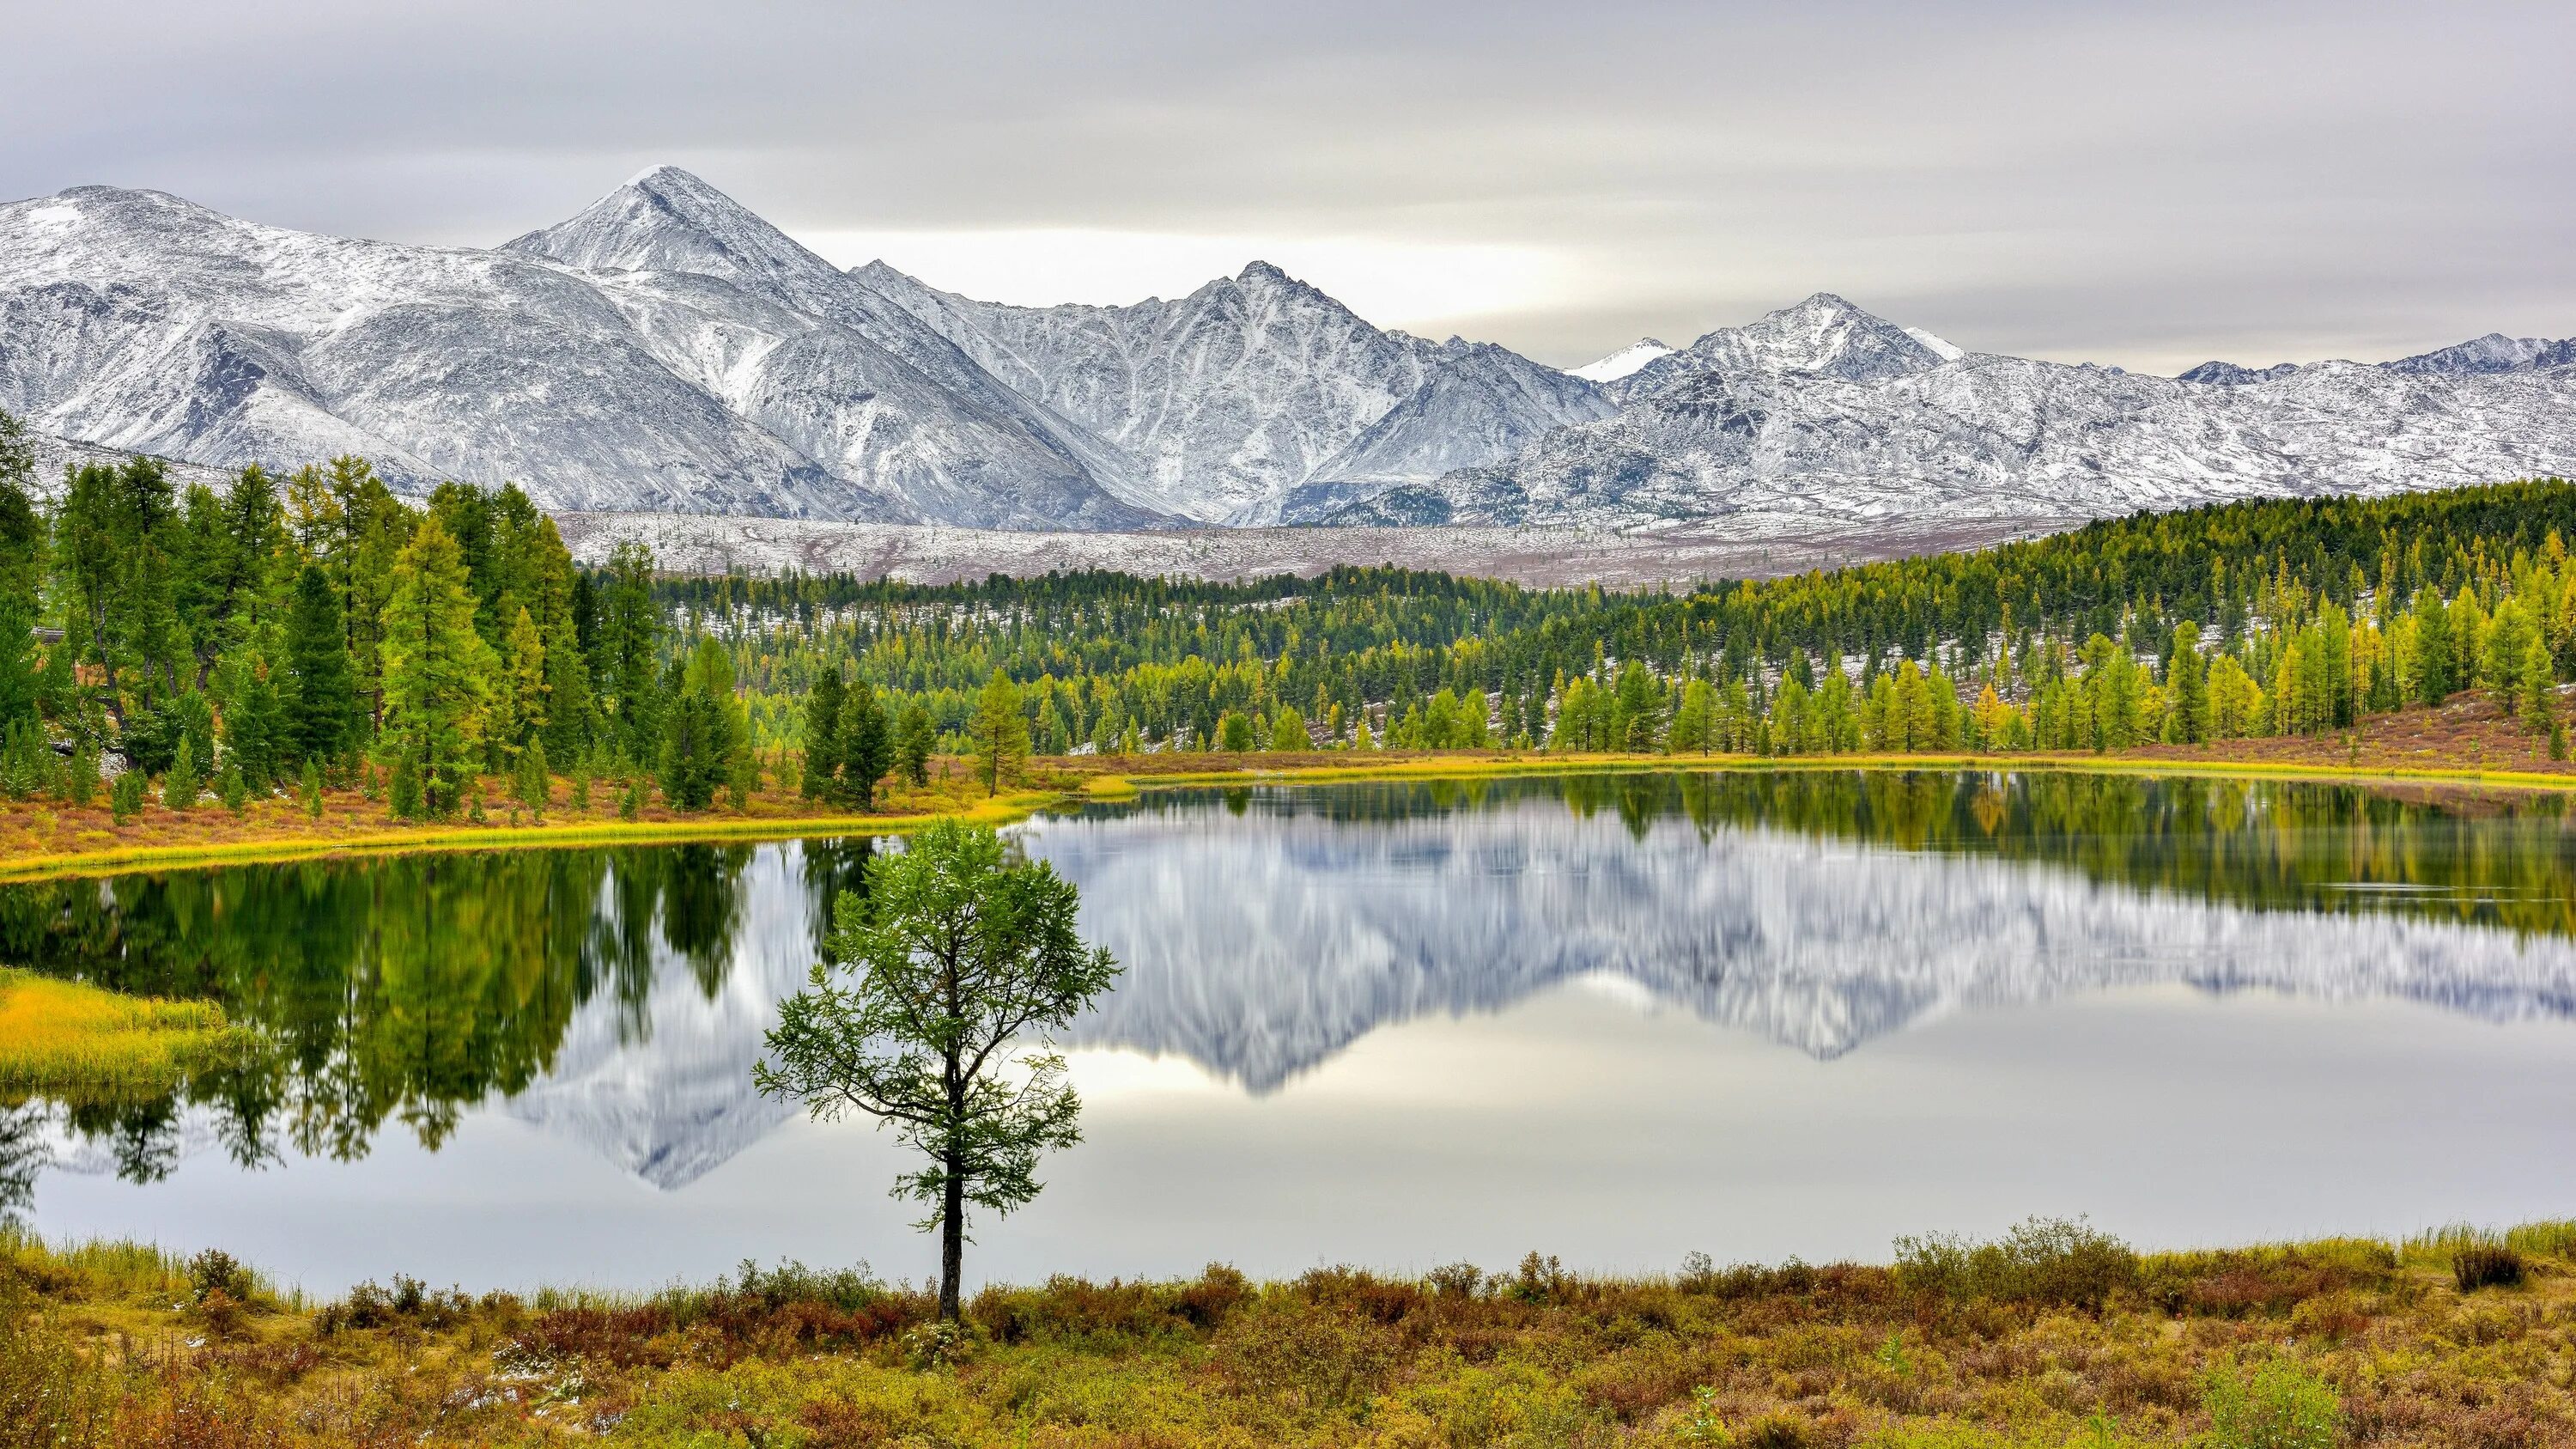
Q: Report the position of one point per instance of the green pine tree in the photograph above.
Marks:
(180, 784)
(437, 670)
(914, 741)
(822, 766)
(1000, 732)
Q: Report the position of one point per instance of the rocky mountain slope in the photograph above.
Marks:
(668, 351)
(1257, 395)
(1822, 413)
(664, 349)
(1614, 366)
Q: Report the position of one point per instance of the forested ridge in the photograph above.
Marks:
(2291, 617)
(284, 633)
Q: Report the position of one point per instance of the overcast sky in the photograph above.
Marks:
(2149, 184)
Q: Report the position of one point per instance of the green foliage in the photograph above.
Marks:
(324, 711)
(915, 737)
(702, 730)
(125, 797)
(2278, 1406)
(405, 796)
(2043, 1260)
(2486, 1265)
(27, 766)
(1000, 732)
(437, 670)
(80, 774)
(180, 784)
(956, 955)
(531, 783)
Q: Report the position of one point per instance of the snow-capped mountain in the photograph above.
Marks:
(1823, 334)
(1622, 362)
(666, 350)
(1823, 414)
(1257, 395)
(2494, 352)
(718, 367)
(2229, 374)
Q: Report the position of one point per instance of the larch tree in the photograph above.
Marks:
(1000, 732)
(957, 957)
(822, 769)
(437, 670)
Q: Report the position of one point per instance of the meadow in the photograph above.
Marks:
(2054, 1336)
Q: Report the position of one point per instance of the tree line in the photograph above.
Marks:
(277, 634)
(2231, 621)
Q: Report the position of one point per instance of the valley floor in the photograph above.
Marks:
(2467, 741)
(2054, 1336)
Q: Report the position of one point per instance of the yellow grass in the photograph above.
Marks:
(284, 835)
(63, 1038)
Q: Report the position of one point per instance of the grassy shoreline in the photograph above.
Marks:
(2053, 1336)
(64, 1038)
(274, 832)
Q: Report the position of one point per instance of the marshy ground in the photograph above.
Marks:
(2052, 1336)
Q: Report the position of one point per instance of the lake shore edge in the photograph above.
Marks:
(277, 834)
(2053, 1335)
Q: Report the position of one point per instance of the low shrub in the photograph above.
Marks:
(2044, 1260)
(2278, 1406)
(50, 1393)
(2486, 1265)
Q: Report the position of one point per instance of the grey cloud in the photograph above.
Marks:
(2146, 185)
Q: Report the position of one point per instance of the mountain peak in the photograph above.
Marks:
(666, 219)
(1613, 366)
(1257, 271)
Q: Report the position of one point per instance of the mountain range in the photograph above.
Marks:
(668, 350)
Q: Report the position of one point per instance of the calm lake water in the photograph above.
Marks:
(1614, 1018)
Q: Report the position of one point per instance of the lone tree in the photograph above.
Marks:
(956, 953)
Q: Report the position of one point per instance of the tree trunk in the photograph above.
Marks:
(952, 1240)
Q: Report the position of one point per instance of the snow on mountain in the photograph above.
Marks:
(1253, 394)
(2228, 374)
(763, 384)
(666, 350)
(1622, 362)
(1328, 929)
(1823, 334)
(1876, 437)
(2494, 352)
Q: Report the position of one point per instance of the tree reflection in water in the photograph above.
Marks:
(409, 989)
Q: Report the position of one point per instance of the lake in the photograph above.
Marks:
(1619, 1018)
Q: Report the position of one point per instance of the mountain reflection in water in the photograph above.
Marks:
(617, 996)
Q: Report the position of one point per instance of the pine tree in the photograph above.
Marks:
(80, 774)
(180, 784)
(437, 670)
(1001, 732)
(2187, 689)
(2433, 650)
(867, 745)
(520, 702)
(914, 740)
(2536, 686)
(701, 731)
(533, 783)
(823, 735)
(321, 697)
(125, 797)
(1288, 731)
